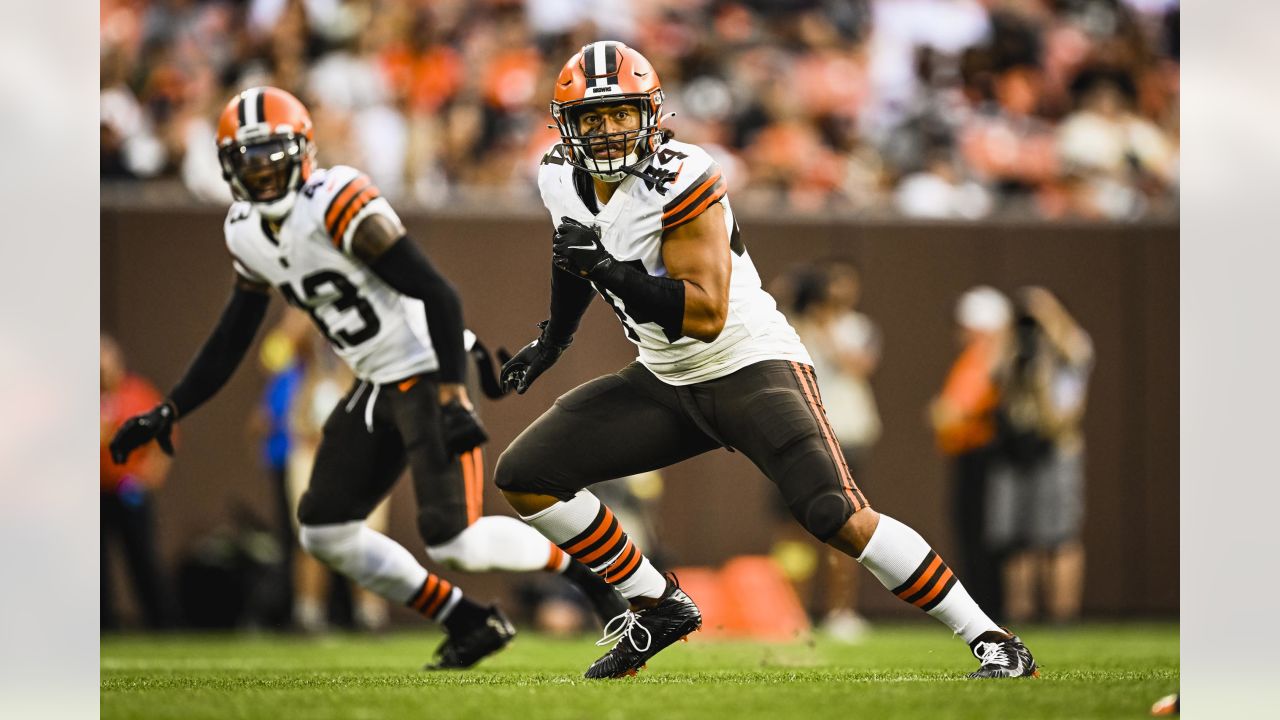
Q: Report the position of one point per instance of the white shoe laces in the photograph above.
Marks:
(992, 654)
(625, 624)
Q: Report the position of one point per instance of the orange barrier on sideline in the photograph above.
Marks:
(748, 598)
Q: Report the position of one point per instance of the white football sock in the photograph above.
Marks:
(370, 558)
(905, 564)
(587, 530)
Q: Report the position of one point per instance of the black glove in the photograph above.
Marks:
(519, 372)
(141, 429)
(460, 428)
(489, 383)
(577, 249)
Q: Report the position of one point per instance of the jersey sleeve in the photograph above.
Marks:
(239, 212)
(698, 185)
(344, 200)
(551, 180)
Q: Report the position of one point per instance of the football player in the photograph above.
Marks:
(644, 221)
(332, 246)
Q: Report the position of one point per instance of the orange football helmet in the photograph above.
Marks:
(608, 72)
(266, 147)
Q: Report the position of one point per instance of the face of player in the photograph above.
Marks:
(614, 125)
(264, 168)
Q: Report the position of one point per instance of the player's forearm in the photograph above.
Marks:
(680, 307)
(660, 300)
(570, 298)
(408, 271)
(222, 352)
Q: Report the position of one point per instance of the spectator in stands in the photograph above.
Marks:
(125, 491)
(939, 191)
(820, 107)
(1036, 491)
(963, 417)
(1114, 158)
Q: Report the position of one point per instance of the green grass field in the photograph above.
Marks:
(899, 671)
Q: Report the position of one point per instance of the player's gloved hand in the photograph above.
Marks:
(519, 372)
(157, 424)
(460, 428)
(577, 249)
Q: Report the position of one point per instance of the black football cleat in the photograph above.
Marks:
(470, 646)
(1005, 658)
(641, 634)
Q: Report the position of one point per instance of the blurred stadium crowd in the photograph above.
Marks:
(924, 108)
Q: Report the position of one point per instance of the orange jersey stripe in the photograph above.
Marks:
(691, 196)
(924, 579)
(369, 195)
(693, 214)
(937, 588)
(342, 198)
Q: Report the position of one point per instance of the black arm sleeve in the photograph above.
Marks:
(222, 352)
(570, 297)
(649, 299)
(406, 269)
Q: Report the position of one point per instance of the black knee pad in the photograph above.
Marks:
(823, 515)
(518, 472)
(438, 525)
(507, 473)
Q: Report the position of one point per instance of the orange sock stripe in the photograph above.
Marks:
(833, 448)
(428, 587)
(595, 535)
(606, 549)
(442, 593)
(937, 588)
(621, 568)
(924, 579)
(554, 559)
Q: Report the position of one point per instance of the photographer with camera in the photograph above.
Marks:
(1035, 500)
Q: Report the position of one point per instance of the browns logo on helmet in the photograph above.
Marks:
(266, 147)
(608, 72)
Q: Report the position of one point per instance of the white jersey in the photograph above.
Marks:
(681, 182)
(380, 333)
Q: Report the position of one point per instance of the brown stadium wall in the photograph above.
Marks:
(166, 275)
